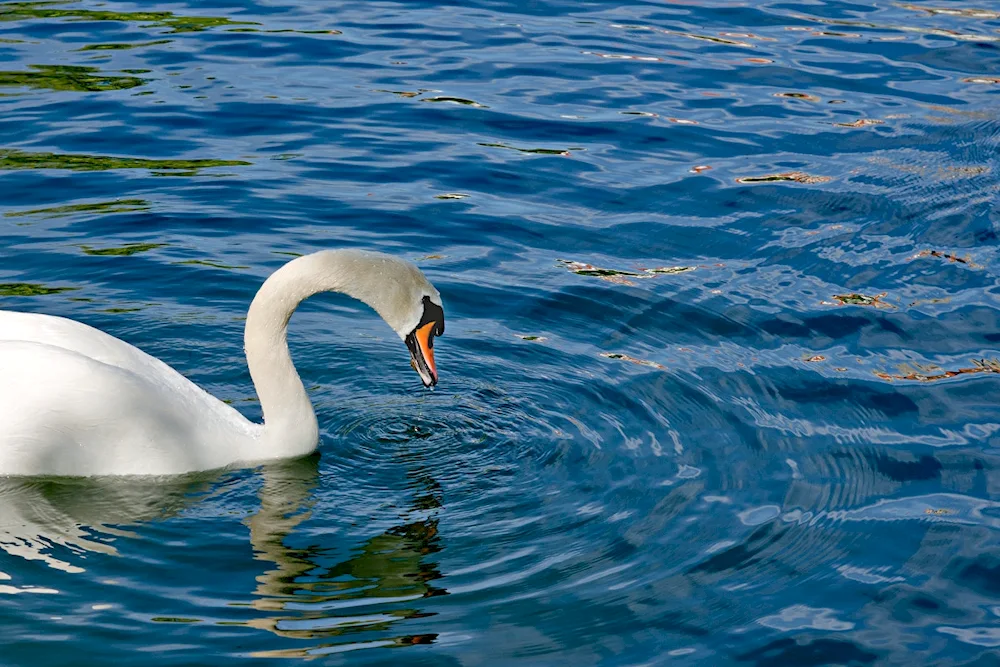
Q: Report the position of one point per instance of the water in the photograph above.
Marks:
(778, 449)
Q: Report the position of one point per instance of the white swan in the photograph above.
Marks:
(77, 401)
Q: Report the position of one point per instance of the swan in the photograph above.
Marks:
(75, 401)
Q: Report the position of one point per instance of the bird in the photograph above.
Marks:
(76, 401)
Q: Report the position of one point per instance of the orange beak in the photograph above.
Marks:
(423, 354)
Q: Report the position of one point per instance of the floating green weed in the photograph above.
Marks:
(123, 46)
(116, 206)
(31, 289)
(74, 78)
(16, 159)
(21, 11)
(123, 251)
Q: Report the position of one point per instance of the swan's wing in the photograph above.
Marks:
(100, 346)
(80, 338)
(65, 413)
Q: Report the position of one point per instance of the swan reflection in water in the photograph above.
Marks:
(323, 603)
(298, 597)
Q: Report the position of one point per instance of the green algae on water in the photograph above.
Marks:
(123, 46)
(116, 206)
(22, 11)
(74, 78)
(17, 159)
(31, 289)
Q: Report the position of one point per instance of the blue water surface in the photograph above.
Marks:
(719, 383)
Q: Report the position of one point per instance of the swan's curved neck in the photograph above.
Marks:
(290, 426)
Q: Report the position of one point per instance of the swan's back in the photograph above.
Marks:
(77, 401)
(83, 339)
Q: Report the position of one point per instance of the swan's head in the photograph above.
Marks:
(420, 340)
(399, 292)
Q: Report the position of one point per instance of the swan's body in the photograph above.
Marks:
(77, 401)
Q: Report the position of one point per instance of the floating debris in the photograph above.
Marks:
(796, 176)
(531, 338)
(862, 122)
(829, 33)
(535, 151)
(798, 96)
(287, 30)
(814, 358)
(455, 100)
(683, 121)
(124, 251)
(947, 256)
(758, 61)
(668, 270)
(451, 195)
(622, 56)
(748, 35)
(709, 38)
(621, 277)
(633, 360)
(700, 168)
(429, 257)
(981, 79)
(648, 114)
(855, 299)
(938, 511)
(405, 93)
(948, 11)
(978, 366)
(206, 262)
